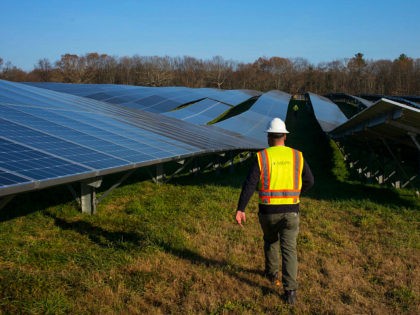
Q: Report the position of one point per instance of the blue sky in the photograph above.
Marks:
(240, 30)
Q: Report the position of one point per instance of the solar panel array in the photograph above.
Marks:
(49, 138)
(151, 99)
(54, 133)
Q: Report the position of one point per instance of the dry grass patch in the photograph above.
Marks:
(175, 249)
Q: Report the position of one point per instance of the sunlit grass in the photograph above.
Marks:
(175, 248)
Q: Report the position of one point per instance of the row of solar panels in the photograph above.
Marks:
(48, 137)
(197, 106)
(151, 99)
(53, 133)
(383, 119)
(409, 100)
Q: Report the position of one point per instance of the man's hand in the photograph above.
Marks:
(240, 217)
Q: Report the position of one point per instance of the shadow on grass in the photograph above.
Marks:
(242, 274)
(123, 240)
(27, 203)
(108, 239)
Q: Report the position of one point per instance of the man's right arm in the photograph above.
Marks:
(249, 186)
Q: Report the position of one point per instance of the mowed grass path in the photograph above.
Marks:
(175, 249)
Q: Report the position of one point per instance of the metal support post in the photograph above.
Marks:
(413, 137)
(88, 195)
(230, 162)
(159, 174)
(219, 163)
(195, 169)
(386, 178)
(397, 184)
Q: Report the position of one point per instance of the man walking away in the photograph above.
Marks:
(281, 174)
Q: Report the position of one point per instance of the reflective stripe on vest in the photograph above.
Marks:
(286, 189)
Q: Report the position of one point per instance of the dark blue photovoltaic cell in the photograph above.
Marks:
(5, 99)
(57, 146)
(20, 160)
(7, 178)
(200, 113)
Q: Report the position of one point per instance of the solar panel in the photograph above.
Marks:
(49, 138)
(410, 100)
(384, 119)
(326, 112)
(362, 101)
(253, 122)
(201, 112)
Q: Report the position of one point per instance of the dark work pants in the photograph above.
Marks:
(280, 232)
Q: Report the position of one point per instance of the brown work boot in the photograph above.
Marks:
(290, 297)
(274, 279)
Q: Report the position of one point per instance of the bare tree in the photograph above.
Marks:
(246, 76)
(218, 70)
(71, 68)
(402, 72)
(380, 77)
(43, 70)
(124, 69)
(107, 69)
(12, 73)
(189, 71)
(157, 71)
(356, 67)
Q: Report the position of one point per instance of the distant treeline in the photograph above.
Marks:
(355, 75)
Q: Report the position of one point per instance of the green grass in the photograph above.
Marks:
(174, 248)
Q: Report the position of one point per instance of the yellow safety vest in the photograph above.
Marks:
(280, 175)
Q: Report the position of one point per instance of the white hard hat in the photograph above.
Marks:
(277, 126)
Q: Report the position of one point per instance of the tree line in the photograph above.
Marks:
(354, 75)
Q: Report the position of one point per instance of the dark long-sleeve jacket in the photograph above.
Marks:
(251, 182)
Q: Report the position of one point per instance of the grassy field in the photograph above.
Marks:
(174, 248)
